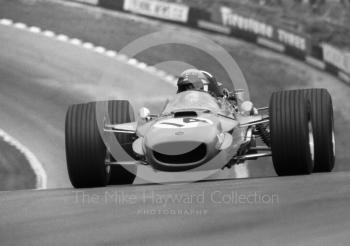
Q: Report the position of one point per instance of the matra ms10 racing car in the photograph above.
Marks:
(200, 128)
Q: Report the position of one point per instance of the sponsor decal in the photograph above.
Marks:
(291, 39)
(182, 123)
(336, 57)
(158, 9)
(244, 23)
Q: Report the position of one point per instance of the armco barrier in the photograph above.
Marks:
(291, 51)
(316, 51)
(114, 5)
(197, 14)
(90, 2)
(297, 45)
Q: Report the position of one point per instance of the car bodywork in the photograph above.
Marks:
(195, 131)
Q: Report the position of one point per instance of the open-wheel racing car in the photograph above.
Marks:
(196, 131)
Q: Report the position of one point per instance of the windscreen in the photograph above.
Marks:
(191, 100)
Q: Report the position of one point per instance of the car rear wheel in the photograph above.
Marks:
(323, 127)
(85, 150)
(292, 141)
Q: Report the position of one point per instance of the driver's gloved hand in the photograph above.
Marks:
(229, 95)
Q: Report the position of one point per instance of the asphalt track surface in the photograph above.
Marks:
(305, 210)
(41, 77)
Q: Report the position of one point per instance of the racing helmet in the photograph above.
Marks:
(192, 79)
(214, 87)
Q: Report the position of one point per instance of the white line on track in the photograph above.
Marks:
(132, 61)
(40, 174)
(88, 46)
(75, 41)
(34, 29)
(160, 73)
(20, 25)
(111, 53)
(142, 65)
(49, 34)
(122, 57)
(169, 78)
(100, 49)
(6, 22)
(62, 38)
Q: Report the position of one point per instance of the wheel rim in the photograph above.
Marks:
(311, 141)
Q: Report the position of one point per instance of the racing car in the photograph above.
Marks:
(197, 130)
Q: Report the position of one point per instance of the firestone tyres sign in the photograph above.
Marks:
(158, 9)
(243, 23)
(262, 29)
(291, 39)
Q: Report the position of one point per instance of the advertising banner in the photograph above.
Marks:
(291, 39)
(262, 29)
(234, 20)
(336, 57)
(158, 9)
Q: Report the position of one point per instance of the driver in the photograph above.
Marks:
(194, 79)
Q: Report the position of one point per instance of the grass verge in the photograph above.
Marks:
(15, 171)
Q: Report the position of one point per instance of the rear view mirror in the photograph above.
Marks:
(144, 113)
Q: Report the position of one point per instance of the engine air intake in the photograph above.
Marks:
(192, 156)
(185, 114)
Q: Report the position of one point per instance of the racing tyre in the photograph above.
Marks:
(323, 127)
(291, 133)
(85, 150)
(120, 111)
